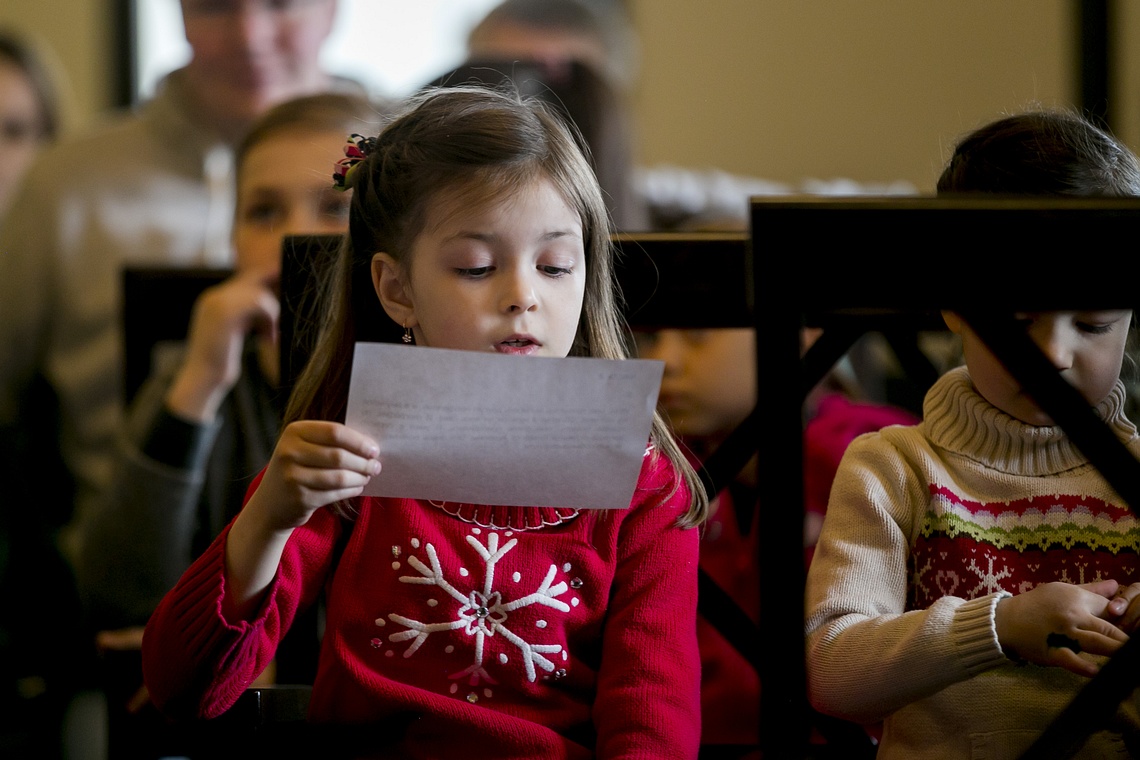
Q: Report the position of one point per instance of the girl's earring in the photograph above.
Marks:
(407, 335)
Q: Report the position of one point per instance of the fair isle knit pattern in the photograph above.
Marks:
(970, 549)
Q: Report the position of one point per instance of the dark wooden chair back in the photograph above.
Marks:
(157, 302)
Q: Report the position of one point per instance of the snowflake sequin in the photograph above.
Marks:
(483, 611)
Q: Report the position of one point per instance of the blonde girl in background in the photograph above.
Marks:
(202, 426)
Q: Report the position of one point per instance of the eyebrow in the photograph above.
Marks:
(486, 237)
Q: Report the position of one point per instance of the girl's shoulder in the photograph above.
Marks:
(896, 454)
(657, 471)
(660, 485)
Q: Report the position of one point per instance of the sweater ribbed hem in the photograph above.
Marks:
(180, 443)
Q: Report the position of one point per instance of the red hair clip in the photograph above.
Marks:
(356, 149)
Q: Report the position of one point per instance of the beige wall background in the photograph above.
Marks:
(869, 90)
(77, 34)
(872, 90)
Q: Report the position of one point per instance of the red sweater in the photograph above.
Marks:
(456, 639)
(730, 685)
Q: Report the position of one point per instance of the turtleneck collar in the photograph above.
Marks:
(957, 418)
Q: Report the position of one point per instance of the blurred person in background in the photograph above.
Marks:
(590, 102)
(562, 36)
(151, 187)
(41, 664)
(601, 35)
(29, 109)
(206, 419)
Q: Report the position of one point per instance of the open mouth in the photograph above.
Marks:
(518, 344)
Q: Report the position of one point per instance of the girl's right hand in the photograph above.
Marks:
(1052, 623)
(315, 463)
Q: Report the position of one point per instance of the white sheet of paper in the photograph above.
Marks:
(481, 428)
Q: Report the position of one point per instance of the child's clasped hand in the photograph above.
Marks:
(1056, 623)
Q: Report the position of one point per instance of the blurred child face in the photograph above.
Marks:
(21, 128)
(251, 54)
(709, 384)
(507, 275)
(284, 188)
(1087, 348)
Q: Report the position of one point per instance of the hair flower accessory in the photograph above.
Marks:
(356, 149)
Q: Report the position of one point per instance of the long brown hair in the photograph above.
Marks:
(487, 143)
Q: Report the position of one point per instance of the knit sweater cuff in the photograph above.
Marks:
(974, 634)
(179, 443)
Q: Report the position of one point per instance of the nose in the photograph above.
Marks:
(253, 27)
(666, 346)
(301, 219)
(1056, 341)
(518, 293)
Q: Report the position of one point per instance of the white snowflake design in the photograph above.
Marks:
(989, 581)
(483, 612)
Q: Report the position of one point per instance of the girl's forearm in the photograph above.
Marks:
(253, 552)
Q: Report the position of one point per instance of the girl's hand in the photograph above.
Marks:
(222, 318)
(1054, 622)
(1125, 607)
(314, 464)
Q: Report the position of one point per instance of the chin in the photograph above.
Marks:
(1034, 417)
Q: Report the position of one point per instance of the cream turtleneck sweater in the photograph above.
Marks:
(927, 528)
